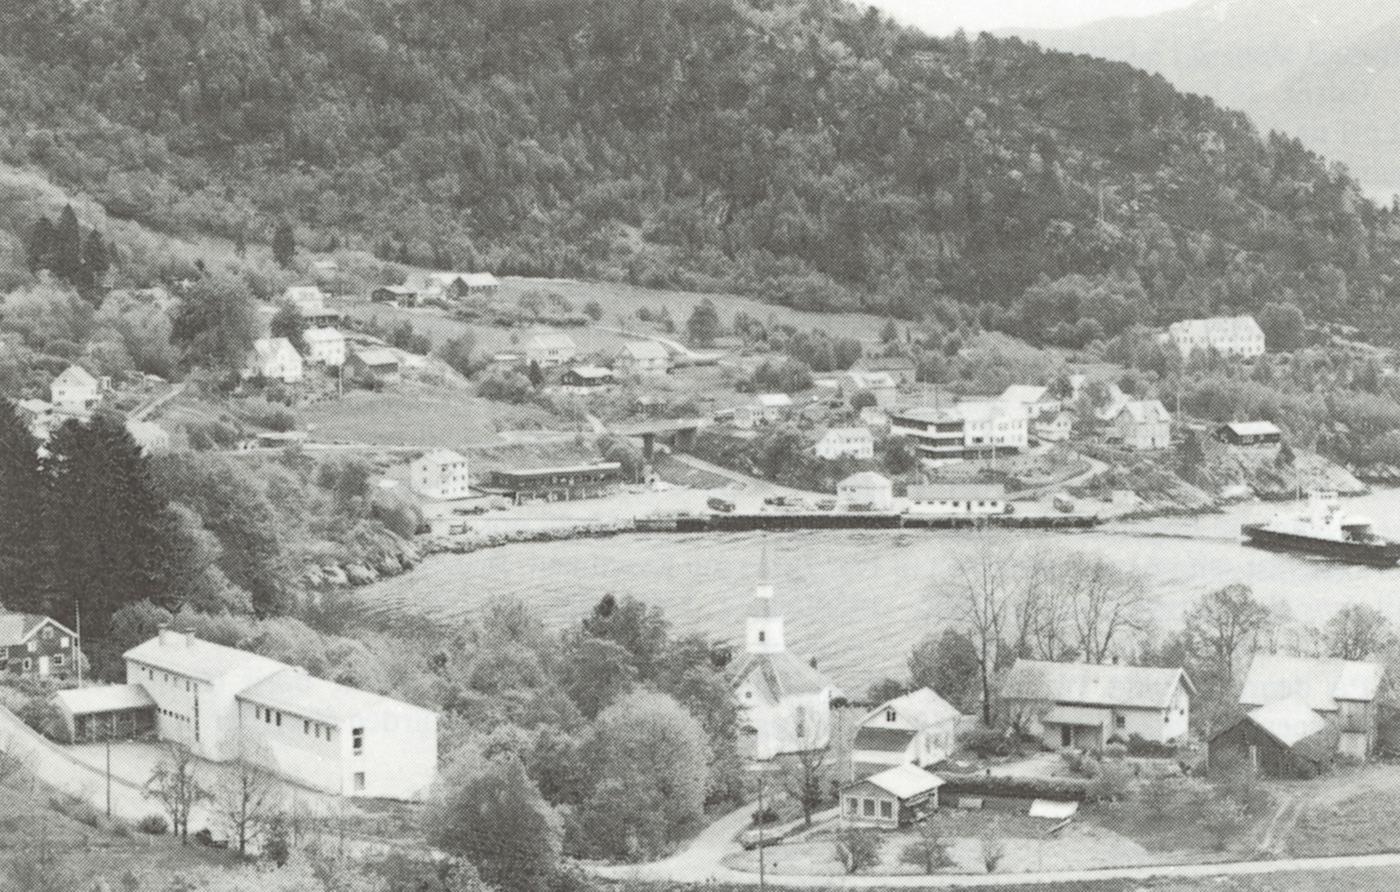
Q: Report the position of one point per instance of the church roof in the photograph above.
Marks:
(778, 675)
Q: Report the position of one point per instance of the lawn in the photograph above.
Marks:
(419, 415)
(1349, 812)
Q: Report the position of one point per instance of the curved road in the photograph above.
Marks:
(700, 863)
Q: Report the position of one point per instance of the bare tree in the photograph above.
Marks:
(928, 850)
(1039, 609)
(176, 786)
(1356, 632)
(804, 777)
(983, 584)
(247, 796)
(1222, 622)
(1103, 601)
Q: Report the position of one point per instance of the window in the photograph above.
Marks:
(889, 715)
(1120, 721)
(63, 642)
(852, 806)
(357, 741)
(58, 659)
(868, 807)
(761, 635)
(33, 646)
(306, 727)
(279, 719)
(28, 664)
(886, 809)
(359, 782)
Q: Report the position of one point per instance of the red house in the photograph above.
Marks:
(33, 646)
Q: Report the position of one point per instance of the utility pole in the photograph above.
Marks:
(108, 738)
(762, 820)
(77, 654)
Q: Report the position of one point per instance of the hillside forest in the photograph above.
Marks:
(801, 150)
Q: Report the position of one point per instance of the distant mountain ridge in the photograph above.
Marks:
(1322, 70)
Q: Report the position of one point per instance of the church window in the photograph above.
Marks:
(761, 635)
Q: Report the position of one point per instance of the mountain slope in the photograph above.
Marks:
(801, 150)
(1295, 65)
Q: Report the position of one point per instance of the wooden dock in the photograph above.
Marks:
(855, 520)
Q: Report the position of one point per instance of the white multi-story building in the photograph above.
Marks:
(440, 474)
(1227, 335)
(325, 346)
(227, 704)
(1141, 424)
(841, 442)
(277, 360)
(967, 430)
(74, 391)
(550, 348)
(642, 358)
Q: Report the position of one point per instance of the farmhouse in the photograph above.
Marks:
(325, 346)
(440, 474)
(275, 359)
(1227, 335)
(550, 348)
(784, 703)
(866, 491)
(1085, 706)
(402, 295)
(1343, 692)
(454, 284)
(310, 303)
(1285, 739)
(642, 358)
(1249, 433)
(586, 377)
(901, 368)
(34, 646)
(74, 391)
(957, 498)
(1034, 398)
(1141, 424)
(225, 703)
(919, 728)
(892, 798)
(561, 484)
(1053, 427)
(842, 442)
(374, 366)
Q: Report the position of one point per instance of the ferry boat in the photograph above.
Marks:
(1322, 528)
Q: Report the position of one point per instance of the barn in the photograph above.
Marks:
(1285, 739)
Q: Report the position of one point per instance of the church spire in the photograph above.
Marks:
(763, 631)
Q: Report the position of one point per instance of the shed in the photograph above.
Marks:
(1283, 739)
(893, 798)
(866, 491)
(1249, 433)
(107, 712)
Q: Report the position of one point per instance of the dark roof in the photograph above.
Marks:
(883, 740)
(15, 628)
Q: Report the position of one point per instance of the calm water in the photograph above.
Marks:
(858, 600)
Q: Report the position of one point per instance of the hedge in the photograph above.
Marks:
(1061, 788)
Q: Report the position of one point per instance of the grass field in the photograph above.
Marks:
(416, 415)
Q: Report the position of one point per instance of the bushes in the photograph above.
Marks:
(154, 825)
(1062, 788)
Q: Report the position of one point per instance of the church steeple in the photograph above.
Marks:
(763, 631)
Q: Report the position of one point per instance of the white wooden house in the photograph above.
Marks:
(325, 346)
(550, 348)
(440, 474)
(920, 728)
(866, 491)
(277, 360)
(1086, 706)
(74, 391)
(846, 442)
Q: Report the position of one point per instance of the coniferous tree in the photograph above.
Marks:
(284, 244)
(96, 261)
(22, 492)
(102, 521)
(68, 247)
(40, 247)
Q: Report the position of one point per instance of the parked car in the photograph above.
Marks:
(720, 505)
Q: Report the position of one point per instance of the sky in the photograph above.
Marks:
(946, 16)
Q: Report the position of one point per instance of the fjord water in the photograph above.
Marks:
(858, 600)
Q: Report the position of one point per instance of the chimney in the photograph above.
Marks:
(165, 634)
(189, 636)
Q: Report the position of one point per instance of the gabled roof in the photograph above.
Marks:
(1216, 326)
(1087, 684)
(779, 675)
(905, 781)
(864, 479)
(442, 457)
(304, 294)
(1318, 682)
(17, 628)
(549, 340)
(645, 350)
(199, 659)
(774, 400)
(269, 348)
(322, 335)
(883, 740)
(592, 372)
(1252, 428)
(104, 698)
(915, 711)
(377, 356)
(1289, 720)
(292, 690)
(1024, 393)
(1144, 410)
(75, 376)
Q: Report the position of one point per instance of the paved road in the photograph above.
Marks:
(700, 863)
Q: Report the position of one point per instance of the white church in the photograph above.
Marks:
(784, 702)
